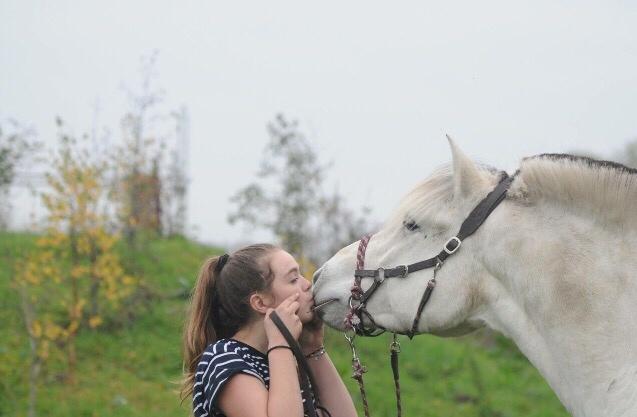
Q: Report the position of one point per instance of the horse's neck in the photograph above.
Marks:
(566, 293)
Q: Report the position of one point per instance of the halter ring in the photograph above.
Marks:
(455, 248)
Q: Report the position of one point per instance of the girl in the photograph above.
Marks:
(237, 363)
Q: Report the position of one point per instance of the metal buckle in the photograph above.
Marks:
(395, 344)
(452, 251)
(381, 276)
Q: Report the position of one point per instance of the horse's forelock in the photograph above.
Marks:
(431, 196)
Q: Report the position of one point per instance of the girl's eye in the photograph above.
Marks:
(410, 225)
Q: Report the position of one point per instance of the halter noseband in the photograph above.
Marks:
(359, 298)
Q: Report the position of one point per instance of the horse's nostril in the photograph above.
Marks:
(316, 275)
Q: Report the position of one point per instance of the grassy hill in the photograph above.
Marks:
(131, 371)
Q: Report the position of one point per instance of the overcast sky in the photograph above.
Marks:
(375, 85)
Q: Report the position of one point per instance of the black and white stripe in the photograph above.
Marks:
(220, 361)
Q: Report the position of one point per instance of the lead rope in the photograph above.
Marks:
(358, 371)
(352, 320)
(395, 350)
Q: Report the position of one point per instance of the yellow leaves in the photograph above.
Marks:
(36, 268)
(43, 350)
(76, 188)
(78, 271)
(94, 321)
(307, 267)
(74, 264)
(83, 244)
(52, 331)
(75, 311)
(36, 329)
(52, 239)
(73, 327)
(28, 272)
(46, 332)
(128, 280)
(46, 257)
(105, 241)
(30, 275)
(66, 273)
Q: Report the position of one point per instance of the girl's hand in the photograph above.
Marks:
(287, 311)
(312, 335)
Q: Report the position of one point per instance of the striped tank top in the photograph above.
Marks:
(219, 362)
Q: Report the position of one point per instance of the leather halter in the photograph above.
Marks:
(358, 313)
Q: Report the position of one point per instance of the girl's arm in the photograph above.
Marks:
(246, 396)
(334, 394)
(284, 398)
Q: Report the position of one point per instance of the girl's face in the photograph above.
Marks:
(288, 280)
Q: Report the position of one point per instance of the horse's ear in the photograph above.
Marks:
(467, 178)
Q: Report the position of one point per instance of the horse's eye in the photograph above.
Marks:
(410, 225)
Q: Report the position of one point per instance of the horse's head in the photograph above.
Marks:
(424, 221)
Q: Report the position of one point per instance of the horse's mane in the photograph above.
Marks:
(604, 189)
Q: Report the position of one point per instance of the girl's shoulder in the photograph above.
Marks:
(229, 346)
(228, 354)
(219, 362)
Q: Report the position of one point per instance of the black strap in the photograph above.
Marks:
(425, 297)
(369, 291)
(475, 219)
(395, 371)
(468, 227)
(480, 213)
(398, 271)
(308, 384)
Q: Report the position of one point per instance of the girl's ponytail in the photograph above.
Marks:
(199, 330)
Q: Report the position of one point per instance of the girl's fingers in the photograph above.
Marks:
(294, 307)
(289, 300)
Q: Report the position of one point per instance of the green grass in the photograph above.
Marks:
(129, 370)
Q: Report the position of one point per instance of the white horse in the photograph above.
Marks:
(554, 268)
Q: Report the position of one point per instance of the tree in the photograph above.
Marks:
(290, 201)
(15, 147)
(150, 191)
(339, 225)
(137, 185)
(75, 279)
(175, 182)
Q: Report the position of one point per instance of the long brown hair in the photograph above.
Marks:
(220, 303)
